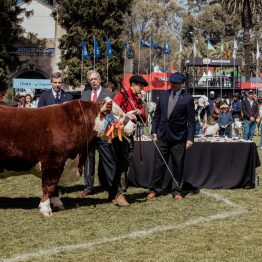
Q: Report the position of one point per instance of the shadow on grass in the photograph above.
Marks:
(80, 188)
(141, 196)
(33, 202)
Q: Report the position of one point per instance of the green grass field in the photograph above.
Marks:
(214, 225)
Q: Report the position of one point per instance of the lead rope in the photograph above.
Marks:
(154, 142)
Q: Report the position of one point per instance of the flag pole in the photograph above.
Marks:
(207, 68)
(82, 63)
(180, 55)
(139, 50)
(257, 58)
(165, 69)
(94, 55)
(234, 64)
(221, 80)
(125, 63)
(194, 62)
(107, 68)
(233, 75)
(150, 71)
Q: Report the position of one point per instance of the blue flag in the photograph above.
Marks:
(109, 52)
(96, 49)
(155, 45)
(166, 48)
(130, 53)
(85, 54)
(144, 43)
(210, 46)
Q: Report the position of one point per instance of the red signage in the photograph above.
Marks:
(250, 85)
(158, 81)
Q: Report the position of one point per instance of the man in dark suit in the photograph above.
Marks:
(56, 94)
(250, 112)
(105, 149)
(173, 130)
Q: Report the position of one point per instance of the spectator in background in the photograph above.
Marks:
(260, 123)
(2, 95)
(250, 112)
(211, 102)
(117, 88)
(21, 101)
(109, 86)
(29, 101)
(236, 107)
(225, 120)
(36, 100)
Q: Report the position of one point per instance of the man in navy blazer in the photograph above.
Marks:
(173, 128)
(55, 95)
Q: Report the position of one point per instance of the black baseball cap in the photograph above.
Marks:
(138, 80)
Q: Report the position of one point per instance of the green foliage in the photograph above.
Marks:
(249, 11)
(84, 20)
(213, 24)
(10, 31)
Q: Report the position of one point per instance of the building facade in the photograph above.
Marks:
(40, 58)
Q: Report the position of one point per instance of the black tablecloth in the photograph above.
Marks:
(207, 165)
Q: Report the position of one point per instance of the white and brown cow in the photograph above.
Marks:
(49, 135)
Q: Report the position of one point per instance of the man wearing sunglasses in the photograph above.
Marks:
(56, 95)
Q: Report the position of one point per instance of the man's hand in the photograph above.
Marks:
(189, 144)
(252, 119)
(154, 137)
(138, 112)
(131, 116)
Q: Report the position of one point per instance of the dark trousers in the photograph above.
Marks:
(177, 153)
(124, 151)
(107, 166)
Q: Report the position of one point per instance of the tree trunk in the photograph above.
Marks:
(247, 25)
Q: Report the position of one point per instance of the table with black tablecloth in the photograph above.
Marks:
(206, 165)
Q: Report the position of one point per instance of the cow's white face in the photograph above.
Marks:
(117, 113)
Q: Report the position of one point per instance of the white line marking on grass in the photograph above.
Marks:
(237, 210)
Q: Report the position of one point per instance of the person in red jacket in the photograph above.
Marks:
(132, 105)
(130, 102)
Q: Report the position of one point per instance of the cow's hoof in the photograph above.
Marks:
(57, 203)
(46, 214)
(45, 208)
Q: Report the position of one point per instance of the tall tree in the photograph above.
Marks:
(84, 20)
(250, 12)
(159, 19)
(212, 24)
(10, 34)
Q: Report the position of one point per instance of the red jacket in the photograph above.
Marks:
(124, 102)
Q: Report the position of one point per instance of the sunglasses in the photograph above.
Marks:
(58, 82)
